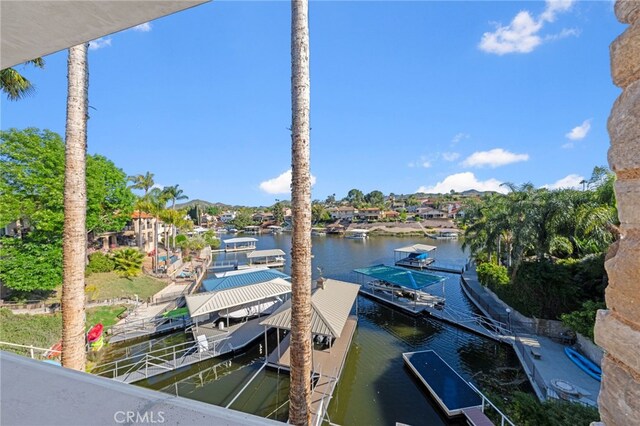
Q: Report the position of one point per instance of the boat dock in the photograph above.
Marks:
(332, 328)
(452, 393)
(213, 343)
(328, 364)
(274, 258)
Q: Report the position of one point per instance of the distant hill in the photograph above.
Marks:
(202, 203)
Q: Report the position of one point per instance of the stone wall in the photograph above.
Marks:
(618, 328)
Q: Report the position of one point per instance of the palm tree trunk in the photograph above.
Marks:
(75, 208)
(300, 388)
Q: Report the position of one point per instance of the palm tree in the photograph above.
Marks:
(300, 387)
(155, 203)
(128, 262)
(14, 84)
(173, 194)
(75, 209)
(144, 182)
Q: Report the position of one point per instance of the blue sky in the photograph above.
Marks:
(405, 96)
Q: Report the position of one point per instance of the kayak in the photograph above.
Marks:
(54, 351)
(96, 345)
(584, 363)
(95, 333)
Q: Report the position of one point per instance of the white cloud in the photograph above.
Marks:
(520, 36)
(99, 43)
(144, 28)
(423, 162)
(571, 181)
(450, 156)
(522, 33)
(579, 132)
(459, 137)
(493, 158)
(280, 184)
(462, 182)
(554, 7)
(566, 32)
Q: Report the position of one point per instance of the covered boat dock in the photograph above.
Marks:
(237, 299)
(415, 256)
(273, 258)
(240, 244)
(400, 287)
(332, 327)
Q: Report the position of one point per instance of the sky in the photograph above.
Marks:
(405, 97)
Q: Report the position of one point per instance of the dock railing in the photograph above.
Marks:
(487, 402)
(167, 358)
(33, 351)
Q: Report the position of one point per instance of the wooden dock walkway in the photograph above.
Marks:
(327, 367)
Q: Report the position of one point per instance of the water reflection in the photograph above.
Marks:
(375, 387)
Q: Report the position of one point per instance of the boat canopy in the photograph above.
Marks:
(416, 248)
(215, 301)
(363, 231)
(265, 253)
(330, 309)
(240, 240)
(239, 280)
(412, 280)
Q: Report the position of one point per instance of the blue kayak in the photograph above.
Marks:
(584, 363)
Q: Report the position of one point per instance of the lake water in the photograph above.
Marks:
(375, 388)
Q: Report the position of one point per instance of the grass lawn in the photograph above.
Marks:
(108, 285)
(44, 330)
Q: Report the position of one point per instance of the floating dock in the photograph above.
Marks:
(452, 393)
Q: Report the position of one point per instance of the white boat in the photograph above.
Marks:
(253, 310)
(357, 234)
(318, 232)
(275, 229)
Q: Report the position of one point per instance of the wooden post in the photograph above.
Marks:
(278, 332)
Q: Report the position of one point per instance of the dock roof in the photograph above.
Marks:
(265, 253)
(405, 278)
(239, 280)
(240, 240)
(416, 248)
(215, 301)
(330, 309)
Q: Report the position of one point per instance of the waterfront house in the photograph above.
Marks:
(228, 216)
(431, 213)
(371, 214)
(340, 213)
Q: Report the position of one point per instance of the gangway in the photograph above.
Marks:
(142, 366)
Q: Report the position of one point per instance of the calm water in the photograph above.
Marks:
(375, 388)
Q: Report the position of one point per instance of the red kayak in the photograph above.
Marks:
(54, 351)
(95, 333)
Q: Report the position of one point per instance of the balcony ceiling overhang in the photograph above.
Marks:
(31, 29)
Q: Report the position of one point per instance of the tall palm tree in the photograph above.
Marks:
(144, 182)
(173, 194)
(300, 388)
(74, 241)
(14, 84)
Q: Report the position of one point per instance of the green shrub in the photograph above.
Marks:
(524, 409)
(100, 262)
(583, 320)
(492, 275)
(128, 262)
